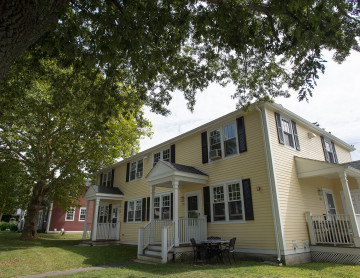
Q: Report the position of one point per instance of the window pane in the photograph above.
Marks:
(219, 212)
(235, 210)
(166, 201)
(230, 147)
(166, 155)
(140, 166)
(215, 140)
(156, 213)
(156, 158)
(218, 193)
(157, 202)
(234, 192)
(165, 213)
(229, 131)
(131, 216)
(82, 214)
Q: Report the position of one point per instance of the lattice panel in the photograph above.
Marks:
(335, 258)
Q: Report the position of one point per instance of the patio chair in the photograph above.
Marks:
(229, 248)
(214, 238)
(198, 250)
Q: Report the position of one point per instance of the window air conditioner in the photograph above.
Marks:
(215, 154)
(139, 174)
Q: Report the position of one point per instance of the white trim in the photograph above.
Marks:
(49, 217)
(329, 191)
(199, 194)
(225, 184)
(80, 213)
(275, 203)
(73, 218)
(127, 210)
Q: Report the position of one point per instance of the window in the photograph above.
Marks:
(162, 155)
(82, 214)
(70, 214)
(227, 202)
(136, 169)
(162, 207)
(329, 150)
(106, 179)
(287, 132)
(223, 142)
(134, 210)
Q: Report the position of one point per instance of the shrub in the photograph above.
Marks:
(8, 226)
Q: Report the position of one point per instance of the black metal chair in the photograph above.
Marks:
(198, 250)
(229, 248)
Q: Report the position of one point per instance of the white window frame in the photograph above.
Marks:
(225, 185)
(73, 216)
(161, 197)
(80, 209)
(134, 201)
(328, 142)
(286, 133)
(137, 170)
(222, 139)
(106, 178)
(161, 155)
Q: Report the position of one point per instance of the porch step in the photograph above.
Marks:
(150, 258)
(153, 253)
(154, 247)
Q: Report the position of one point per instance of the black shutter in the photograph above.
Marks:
(172, 153)
(324, 149)
(249, 213)
(101, 177)
(204, 147)
(127, 172)
(172, 205)
(334, 152)
(241, 134)
(148, 209)
(207, 210)
(279, 128)
(112, 177)
(125, 211)
(143, 212)
(296, 137)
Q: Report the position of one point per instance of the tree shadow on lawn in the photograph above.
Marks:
(11, 241)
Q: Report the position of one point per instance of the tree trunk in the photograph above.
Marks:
(23, 22)
(32, 213)
(1, 216)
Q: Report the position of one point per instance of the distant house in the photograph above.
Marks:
(284, 187)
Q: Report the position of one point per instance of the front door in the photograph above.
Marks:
(115, 223)
(329, 201)
(193, 211)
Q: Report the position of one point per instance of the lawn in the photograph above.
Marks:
(52, 252)
(55, 252)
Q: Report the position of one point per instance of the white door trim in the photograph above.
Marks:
(327, 190)
(200, 201)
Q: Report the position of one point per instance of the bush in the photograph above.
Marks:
(8, 226)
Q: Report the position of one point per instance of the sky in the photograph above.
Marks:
(335, 105)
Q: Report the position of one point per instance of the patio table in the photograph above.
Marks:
(214, 248)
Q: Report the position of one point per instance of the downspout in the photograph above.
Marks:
(275, 207)
(49, 217)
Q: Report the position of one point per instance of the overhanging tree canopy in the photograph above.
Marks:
(264, 47)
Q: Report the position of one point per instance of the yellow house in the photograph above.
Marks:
(285, 188)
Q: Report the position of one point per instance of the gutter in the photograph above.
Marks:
(275, 205)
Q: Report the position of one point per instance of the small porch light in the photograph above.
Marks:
(320, 192)
(182, 199)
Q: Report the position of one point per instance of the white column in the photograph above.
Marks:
(308, 215)
(86, 219)
(49, 217)
(350, 208)
(151, 213)
(176, 211)
(95, 220)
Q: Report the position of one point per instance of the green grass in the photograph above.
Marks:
(53, 252)
(240, 269)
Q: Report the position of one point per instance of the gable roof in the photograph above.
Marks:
(184, 168)
(103, 192)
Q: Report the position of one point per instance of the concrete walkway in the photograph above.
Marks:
(71, 271)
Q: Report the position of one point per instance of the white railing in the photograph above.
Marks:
(158, 225)
(358, 221)
(192, 228)
(330, 229)
(167, 240)
(107, 231)
(144, 238)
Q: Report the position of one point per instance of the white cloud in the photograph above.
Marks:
(335, 106)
